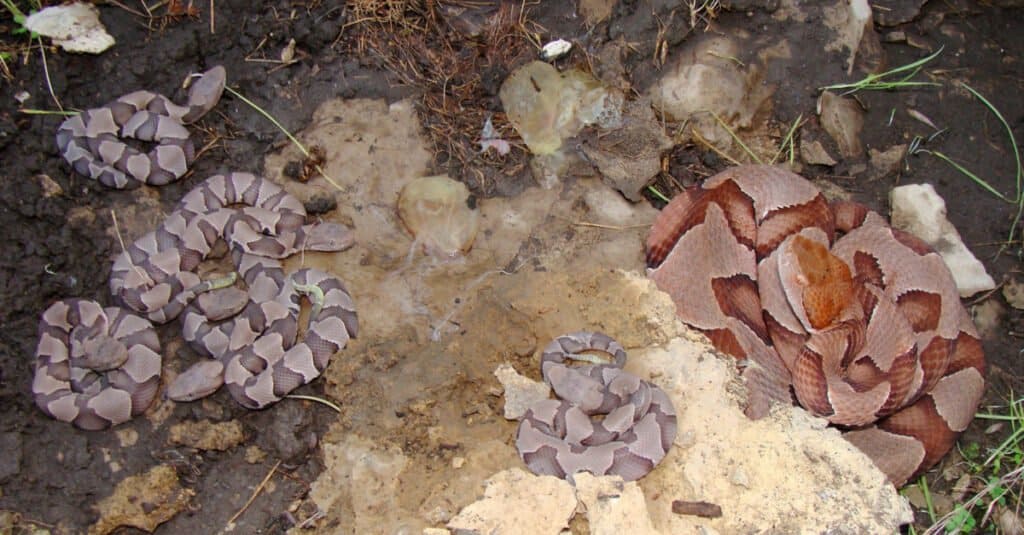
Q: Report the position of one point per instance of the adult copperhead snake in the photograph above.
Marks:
(99, 367)
(863, 321)
(562, 437)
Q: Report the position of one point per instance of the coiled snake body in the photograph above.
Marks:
(93, 142)
(254, 347)
(863, 321)
(560, 437)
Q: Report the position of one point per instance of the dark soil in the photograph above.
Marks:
(59, 245)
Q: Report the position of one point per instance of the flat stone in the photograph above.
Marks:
(516, 501)
(814, 153)
(843, 119)
(520, 392)
(613, 506)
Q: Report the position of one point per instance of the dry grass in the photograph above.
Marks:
(455, 54)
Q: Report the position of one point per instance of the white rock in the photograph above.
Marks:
(555, 49)
(918, 209)
(361, 464)
(848, 21)
(74, 27)
(520, 392)
(613, 506)
(518, 502)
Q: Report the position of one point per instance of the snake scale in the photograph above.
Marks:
(607, 422)
(827, 303)
(97, 367)
(824, 304)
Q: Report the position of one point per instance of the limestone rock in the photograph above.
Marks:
(886, 162)
(74, 27)
(814, 153)
(144, 501)
(919, 210)
(1013, 292)
(613, 506)
(520, 392)
(516, 501)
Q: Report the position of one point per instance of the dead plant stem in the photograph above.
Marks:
(46, 74)
(255, 493)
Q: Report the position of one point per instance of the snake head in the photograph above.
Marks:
(204, 93)
(199, 381)
(328, 237)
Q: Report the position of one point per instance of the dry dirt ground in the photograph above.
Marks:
(442, 63)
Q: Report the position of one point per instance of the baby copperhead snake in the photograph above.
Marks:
(861, 320)
(561, 437)
(92, 142)
(99, 367)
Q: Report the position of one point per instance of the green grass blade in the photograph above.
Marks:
(974, 178)
(654, 191)
(1009, 133)
(879, 82)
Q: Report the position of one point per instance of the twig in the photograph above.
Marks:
(737, 138)
(120, 239)
(312, 518)
(255, 493)
(322, 401)
(700, 139)
(280, 127)
(207, 146)
(599, 225)
(5, 70)
(213, 18)
(128, 9)
(28, 111)
(46, 73)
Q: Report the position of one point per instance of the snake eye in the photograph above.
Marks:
(266, 232)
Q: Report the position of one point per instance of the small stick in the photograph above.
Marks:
(281, 127)
(313, 518)
(737, 138)
(117, 231)
(46, 73)
(128, 9)
(716, 150)
(28, 111)
(323, 401)
(602, 226)
(5, 70)
(701, 509)
(255, 493)
(213, 18)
